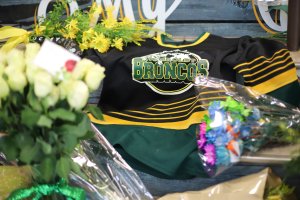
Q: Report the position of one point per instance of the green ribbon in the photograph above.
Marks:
(36, 192)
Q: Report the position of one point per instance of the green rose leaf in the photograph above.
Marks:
(63, 167)
(62, 114)
(95, 111)
(76, 168)
(33, 100)
(44, 121)
(29, 117)
(8, 148)
(79, 130)
(47, 168)
(28, 152)
(69, 143)
(46, 148)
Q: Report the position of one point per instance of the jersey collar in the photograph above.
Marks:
(161, 41)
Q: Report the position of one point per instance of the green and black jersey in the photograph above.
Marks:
(151, 107)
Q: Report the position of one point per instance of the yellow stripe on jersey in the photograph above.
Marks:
(276, 82)
(261, 57)
(277, 69)
(185, 100)
(193, 119)
(266, 61)
(172, 108)
(174, 112)
(267, 67)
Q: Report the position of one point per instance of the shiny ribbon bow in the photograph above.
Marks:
(71, 193)
(14, 36)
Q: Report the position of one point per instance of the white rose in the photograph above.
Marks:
(64, 87)
(94, 77)
(81, 68)
(78, 95)
(30, 73)
(43, 84)
(52, 98)
(17, 81)
(2, 58)
(15, 58)
(1, 69)
(31, 51)
(4, 91)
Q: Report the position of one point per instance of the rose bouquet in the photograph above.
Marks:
(41, 111)
(241, 120)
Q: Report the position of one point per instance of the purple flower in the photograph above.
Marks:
(201, 142)
(210, 154)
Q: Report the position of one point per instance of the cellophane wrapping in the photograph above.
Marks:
(239, 119)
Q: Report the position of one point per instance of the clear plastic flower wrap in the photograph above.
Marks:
(104, 174)
(238, 120)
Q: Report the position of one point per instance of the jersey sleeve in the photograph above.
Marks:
(266, 66)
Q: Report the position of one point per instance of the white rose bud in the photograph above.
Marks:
(1, 69)
(94, 77)
(31, 51)
(30, 73)
(2, 58)
(15, 58)
(78, 95)
(64, 87)
(81, 68)
(17, 81)
(52, 98)
(43, 84)
(4, 91)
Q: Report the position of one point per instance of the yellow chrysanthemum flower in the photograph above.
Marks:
(94, 14)
(39, 30)
(118, 43)
(73, 25)
(126, 22)
(110, 21)
(101, 43)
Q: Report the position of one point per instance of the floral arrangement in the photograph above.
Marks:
(41, 113)
(84, 28)
(232, 127)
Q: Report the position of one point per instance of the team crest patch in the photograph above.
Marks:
(169, 72)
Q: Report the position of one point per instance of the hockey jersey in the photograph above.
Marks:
(151, 107)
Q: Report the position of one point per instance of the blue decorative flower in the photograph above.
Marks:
(223, 156)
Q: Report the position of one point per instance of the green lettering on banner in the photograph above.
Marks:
(137, 68)
(149, 71)
(182, 71)
(159, 71)
(170, 71)
(191, 71)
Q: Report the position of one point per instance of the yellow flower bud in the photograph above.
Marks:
(17, 81)
(16, 59)
(94, 77)
(4, 91)
(43, 84)
(30, 73)
(78, 95)
(81, 68)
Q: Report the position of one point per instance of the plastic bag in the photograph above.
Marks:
(103, 174)
(107, 175)
(240, 120)
(257, 186)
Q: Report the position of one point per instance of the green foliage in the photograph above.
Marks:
(42, 138)
(281, 192)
